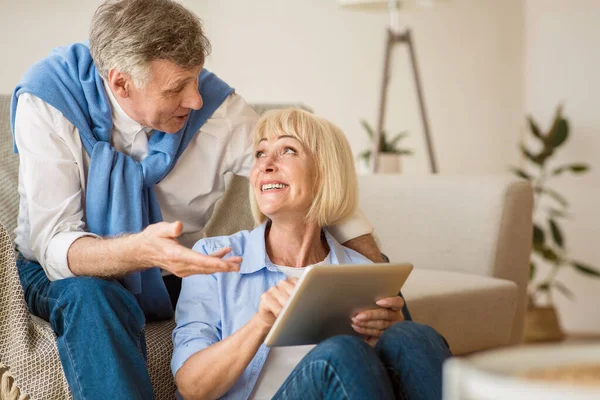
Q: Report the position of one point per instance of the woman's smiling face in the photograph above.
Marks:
(283, 177)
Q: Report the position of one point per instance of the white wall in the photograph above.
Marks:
(561, 66)
(312, 51)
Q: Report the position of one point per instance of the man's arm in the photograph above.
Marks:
(242, 119)
(365, 245)
(155, 246)
(356, 233)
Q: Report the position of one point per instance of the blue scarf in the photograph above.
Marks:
(120, 196)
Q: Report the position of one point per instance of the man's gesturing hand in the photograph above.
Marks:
(159, 247)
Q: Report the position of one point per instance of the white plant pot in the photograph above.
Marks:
(389, 164)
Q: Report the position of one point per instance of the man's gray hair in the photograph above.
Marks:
(129, 34)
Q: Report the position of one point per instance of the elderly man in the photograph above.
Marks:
(123, 149)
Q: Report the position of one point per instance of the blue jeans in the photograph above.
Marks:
(100, 332)
(406, 364)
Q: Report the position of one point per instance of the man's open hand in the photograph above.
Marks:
(159, 247)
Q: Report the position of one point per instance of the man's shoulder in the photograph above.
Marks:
(235, 108)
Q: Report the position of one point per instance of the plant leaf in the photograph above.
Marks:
(550, 255)
(556, 233)
(560, 134)
(396, 139)
(555, 195)
(544, 287)
(579, 168)
(366, 155)
(549, 138)
(534, 128)
(539, 237)
(368, 128)
(554, 213)
(528, 155)
(564, 290)
(404, 152)
(521, 173)
(532, 269)
(586, 269)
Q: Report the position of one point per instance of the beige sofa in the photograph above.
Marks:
(469, 239)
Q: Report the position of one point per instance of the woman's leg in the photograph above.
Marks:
(413, 355)
(342, 367)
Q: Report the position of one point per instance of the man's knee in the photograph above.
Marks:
(100, 297)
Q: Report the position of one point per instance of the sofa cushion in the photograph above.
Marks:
(472, 312)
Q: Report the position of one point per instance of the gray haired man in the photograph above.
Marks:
(123, 149)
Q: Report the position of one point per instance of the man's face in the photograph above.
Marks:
(166, 101)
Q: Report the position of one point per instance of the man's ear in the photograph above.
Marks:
(119, 83)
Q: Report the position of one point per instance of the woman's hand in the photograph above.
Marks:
(273, 300)
(372, 323)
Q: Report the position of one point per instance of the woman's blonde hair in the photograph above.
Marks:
(336, 187)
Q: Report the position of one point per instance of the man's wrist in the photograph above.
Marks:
(137, 251)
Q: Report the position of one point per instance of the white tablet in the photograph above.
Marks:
(327, 296)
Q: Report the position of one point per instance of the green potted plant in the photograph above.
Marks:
(389, 150)
(549, 242)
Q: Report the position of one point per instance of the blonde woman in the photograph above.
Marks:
(303, 180)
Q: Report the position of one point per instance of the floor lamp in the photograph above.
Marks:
(394, 36)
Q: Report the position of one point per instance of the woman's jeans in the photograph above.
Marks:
(100, 332)
(406, 364)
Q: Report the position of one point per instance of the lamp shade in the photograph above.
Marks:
(384, 4)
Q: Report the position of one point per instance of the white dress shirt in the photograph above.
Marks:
(54, 164)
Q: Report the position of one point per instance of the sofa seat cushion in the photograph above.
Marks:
(472, 312)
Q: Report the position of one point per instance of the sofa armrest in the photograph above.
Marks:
(476, 225)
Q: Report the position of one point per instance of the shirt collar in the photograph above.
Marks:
(121, 121)
(256, 258)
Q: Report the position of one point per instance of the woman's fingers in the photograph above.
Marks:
(379, 324)
(368, 331)
(271, 303)
(375, 314)
(374, 322)
(395, 303)
(281, 292)
(287, 285)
